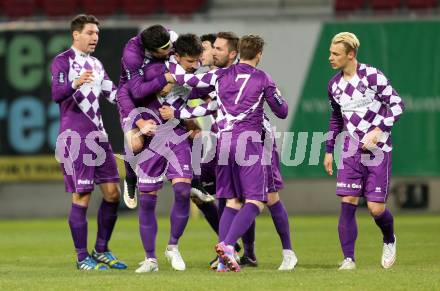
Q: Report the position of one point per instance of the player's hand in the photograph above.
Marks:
(147, 127)
(328, 163)
(170, 78)
(166, 112)
(370, 140)
(166, 90)
(192, 124)
(194, 133)
(86, 77)
(135, 140)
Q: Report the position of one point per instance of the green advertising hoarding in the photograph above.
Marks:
(408, 54)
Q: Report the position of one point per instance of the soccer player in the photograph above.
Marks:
(225, 53)
(240, 110)
(152, 44)
(170, 156)
(207, 57)
(278, 212)
(202, 196)
(199, 194)
(78, 80)
(366, 105)
(219, 50)
(207, 174)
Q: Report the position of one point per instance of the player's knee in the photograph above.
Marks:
(81, 199)
(233, 203)
(350, 199)
(259, 204)
(376, 210)
(182, 191)
(150, 202)
(272, 198)
(112, 194)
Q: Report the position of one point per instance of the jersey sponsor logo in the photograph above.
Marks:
(353, 105)
(141, 72)
(150, 180)
(127, 72)
(369, 93)
(206, 184)
(341, 185)
(348, 185)
(85, 182)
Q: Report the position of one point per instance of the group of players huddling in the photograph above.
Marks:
(160, 72)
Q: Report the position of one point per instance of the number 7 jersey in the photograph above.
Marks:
(241, 91)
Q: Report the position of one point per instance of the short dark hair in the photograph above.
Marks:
(79, 21)
(250, 46)
(155, 37)
(232, 39)
(209, 37)
(188, 45)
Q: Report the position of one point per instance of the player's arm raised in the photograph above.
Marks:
(191, 80)
(138, 87)
(187, 112)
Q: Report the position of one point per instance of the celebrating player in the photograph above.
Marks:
(168, 153)
(241, 90)
(78, 80)
(154, 43)
(225, 52)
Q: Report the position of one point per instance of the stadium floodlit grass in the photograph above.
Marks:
(38, 254)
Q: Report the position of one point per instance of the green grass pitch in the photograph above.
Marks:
(38, 254)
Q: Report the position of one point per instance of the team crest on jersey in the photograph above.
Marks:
(338, 94)
(361, 87)
(97, 68)
(76, 67)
